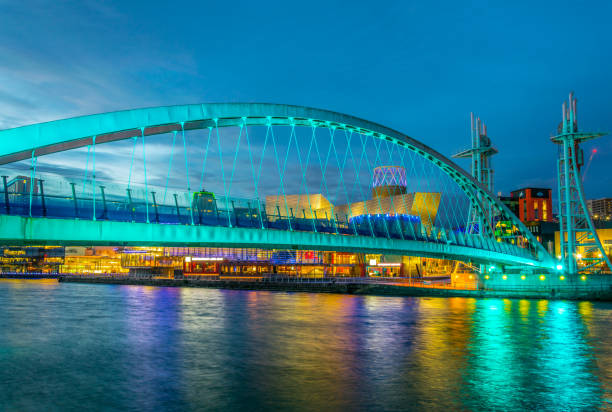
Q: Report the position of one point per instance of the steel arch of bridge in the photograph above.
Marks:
(51, 137)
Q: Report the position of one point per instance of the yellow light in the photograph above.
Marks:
(504, 277)
(523, 277)
(486, 276)
(456, 276)
(583, 277)
(579, 256)
(562, 277)
(542, 277)
(471, 276)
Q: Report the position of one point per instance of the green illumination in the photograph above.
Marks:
(21, 230)
(61, 135)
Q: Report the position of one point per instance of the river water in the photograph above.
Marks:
(103, 347)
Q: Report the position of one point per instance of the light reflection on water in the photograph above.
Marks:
(76, 347)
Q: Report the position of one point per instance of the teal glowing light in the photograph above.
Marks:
(559, 267)
(170, 225)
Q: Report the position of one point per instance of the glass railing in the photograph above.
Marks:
(75, 200)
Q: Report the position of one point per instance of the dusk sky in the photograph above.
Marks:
(418, 67)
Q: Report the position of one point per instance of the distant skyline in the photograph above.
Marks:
(418, 68)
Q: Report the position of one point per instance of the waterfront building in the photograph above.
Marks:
(215, 262)
(600, 209)
(534, 204)
(31, 259)
(389, 197)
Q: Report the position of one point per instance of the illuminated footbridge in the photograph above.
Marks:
(266, 176)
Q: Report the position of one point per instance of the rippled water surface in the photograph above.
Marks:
(80, 347)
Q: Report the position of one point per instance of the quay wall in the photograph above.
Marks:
(552, 285)
(567, 292)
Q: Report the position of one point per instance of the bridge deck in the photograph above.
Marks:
(61, 220)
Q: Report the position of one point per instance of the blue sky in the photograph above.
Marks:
(417, 67)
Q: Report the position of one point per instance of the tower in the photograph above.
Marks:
(581, 249)
(482, 169)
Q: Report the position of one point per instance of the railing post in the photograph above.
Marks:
(234, 209)
(191, 205)
(278, 211)
(155, 206)
(42, 197)
(105, 210)
(129, 193)
(30, 183)
(144, 162)
(76, 207)
(250, 213)
(178, 210)
(348, 223)
(259, 211)
(6, 196)
(93, 179)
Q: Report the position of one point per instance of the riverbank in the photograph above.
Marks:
(354, 288)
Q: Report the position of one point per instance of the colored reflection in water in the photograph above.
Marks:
(76, 347)
(493, 376)
(564, 371)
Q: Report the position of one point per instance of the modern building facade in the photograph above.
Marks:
(389, 197)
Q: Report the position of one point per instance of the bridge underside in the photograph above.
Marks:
(18, 230)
